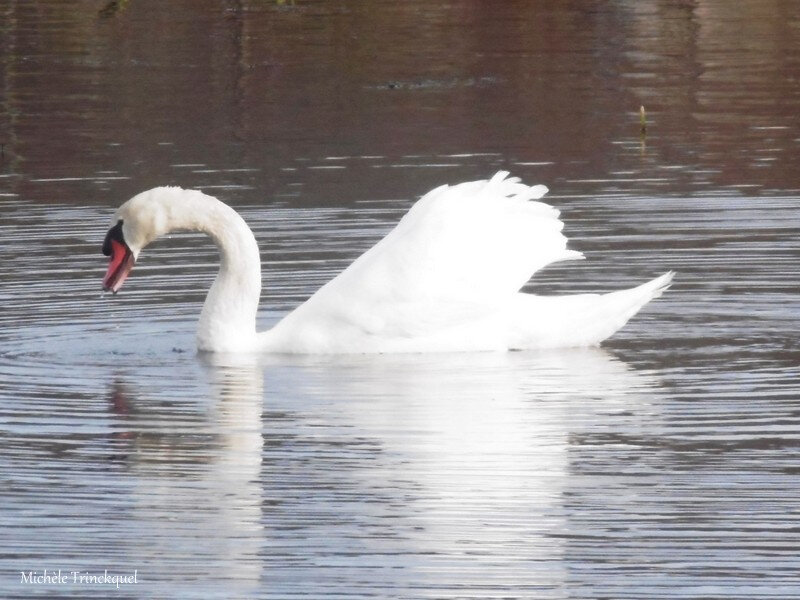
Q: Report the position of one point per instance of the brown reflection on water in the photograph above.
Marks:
(256, 84)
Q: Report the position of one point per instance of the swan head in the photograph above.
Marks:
(136, 223)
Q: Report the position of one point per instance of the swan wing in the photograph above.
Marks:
(459, 254)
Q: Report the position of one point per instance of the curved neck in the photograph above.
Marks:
(228, 319)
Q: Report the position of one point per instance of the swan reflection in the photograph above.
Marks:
(196, 494)
(454, 466)
(413, 469)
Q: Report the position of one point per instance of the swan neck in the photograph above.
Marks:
(228, 318)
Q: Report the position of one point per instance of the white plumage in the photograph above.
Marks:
(446, 278)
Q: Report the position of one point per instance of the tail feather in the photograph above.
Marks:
(579, 320)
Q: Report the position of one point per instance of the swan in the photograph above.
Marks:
(446, 278)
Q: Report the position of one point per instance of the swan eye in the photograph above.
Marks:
(114, 234)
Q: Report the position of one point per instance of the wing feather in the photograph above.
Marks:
(459, 253)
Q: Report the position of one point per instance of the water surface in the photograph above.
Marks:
(663, 465)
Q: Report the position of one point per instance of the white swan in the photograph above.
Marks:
(446, 278)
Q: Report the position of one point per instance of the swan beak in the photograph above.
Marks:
(120, 263)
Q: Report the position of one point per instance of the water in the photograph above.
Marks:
(663, 465)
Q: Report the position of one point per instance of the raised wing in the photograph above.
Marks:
(458, 253)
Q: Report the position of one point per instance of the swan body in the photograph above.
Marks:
(446, 278)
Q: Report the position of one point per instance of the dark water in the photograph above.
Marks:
(664, 465)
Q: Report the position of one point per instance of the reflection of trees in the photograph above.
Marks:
(719, 77)
(249, 82)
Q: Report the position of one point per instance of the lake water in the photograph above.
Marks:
(663, 465)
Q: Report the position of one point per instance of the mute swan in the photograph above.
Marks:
(446, 278)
